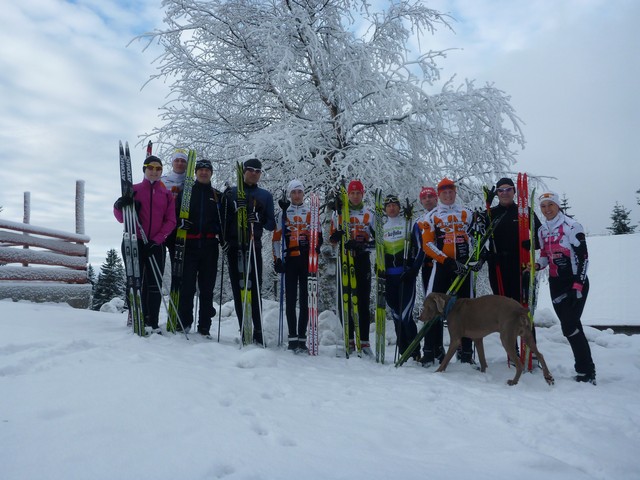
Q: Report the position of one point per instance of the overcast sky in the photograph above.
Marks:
(71, 88)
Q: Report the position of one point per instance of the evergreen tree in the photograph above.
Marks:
(111, 281)
(621, 221)
(91, 275)
(564, 204)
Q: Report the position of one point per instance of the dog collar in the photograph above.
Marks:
(447, 308)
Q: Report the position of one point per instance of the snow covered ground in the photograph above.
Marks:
(82, 398)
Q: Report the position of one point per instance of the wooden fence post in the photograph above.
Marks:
(26, 217)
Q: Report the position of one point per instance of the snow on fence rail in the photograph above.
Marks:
(63, 278)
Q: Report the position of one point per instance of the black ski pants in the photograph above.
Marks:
(569, 312)
(295, 282)
(200, 267)
(237, 260)
(401, 297)
(362, 264)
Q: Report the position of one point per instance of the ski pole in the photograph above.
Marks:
(220, 304)
(252, 249)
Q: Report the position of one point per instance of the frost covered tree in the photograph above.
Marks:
(327, 89)
(111, 281)
(621, 222)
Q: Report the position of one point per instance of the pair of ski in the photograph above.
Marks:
(347, 274)
(312, 277)
(526, 231)
(452, 291)
(130, 244)
(180, 245)
(246, 253)
(381, 303)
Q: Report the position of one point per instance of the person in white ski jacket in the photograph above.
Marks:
(294, 261)
(174, 180)
(563, 249)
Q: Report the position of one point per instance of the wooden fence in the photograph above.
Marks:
(61, 259)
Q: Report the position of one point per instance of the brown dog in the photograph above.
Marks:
(478, 317)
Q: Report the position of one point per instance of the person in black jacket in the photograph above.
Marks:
(201, 249)
(260, 212)
(505, 271)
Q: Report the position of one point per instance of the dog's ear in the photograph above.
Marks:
(439, 300)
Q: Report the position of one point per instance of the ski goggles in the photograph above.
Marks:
(505, 189)
(153, 168)
(252, 170)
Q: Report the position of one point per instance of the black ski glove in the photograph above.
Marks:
(284, 204)
(478, 265)
(127, 200)
(526, 244)
(240, 203)
(278, 265)
(336, 236)
(253, 217)
(335, 203)
(455, 266)
(489, 194)
(185, 224)
(151, 248)
(409, 275)
(257, 213)
(355, 246)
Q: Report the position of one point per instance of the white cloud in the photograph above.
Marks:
(71, 90)
(571, 68)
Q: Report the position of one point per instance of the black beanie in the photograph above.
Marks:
(150, 159)
(204, 163)
(504, 181)
(253, 163)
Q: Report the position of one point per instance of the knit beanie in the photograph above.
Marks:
(151, 159)
(355, 186)
(549, 197)
(253, 163)
(294, 185)
(427, 191)
(180, 153)
(204, 163)
(504, 181)
(446, 183)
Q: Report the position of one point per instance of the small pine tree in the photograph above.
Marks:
(111, 281)
(91, 275)
(564, 204)
(621, 221)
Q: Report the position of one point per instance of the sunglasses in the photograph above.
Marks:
(504, 190)
(252, 170)
(152, 168)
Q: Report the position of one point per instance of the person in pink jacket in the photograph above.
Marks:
(157, 218)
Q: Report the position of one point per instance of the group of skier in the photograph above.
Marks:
(441, 242)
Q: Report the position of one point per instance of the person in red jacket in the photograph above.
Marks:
(156, 214)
